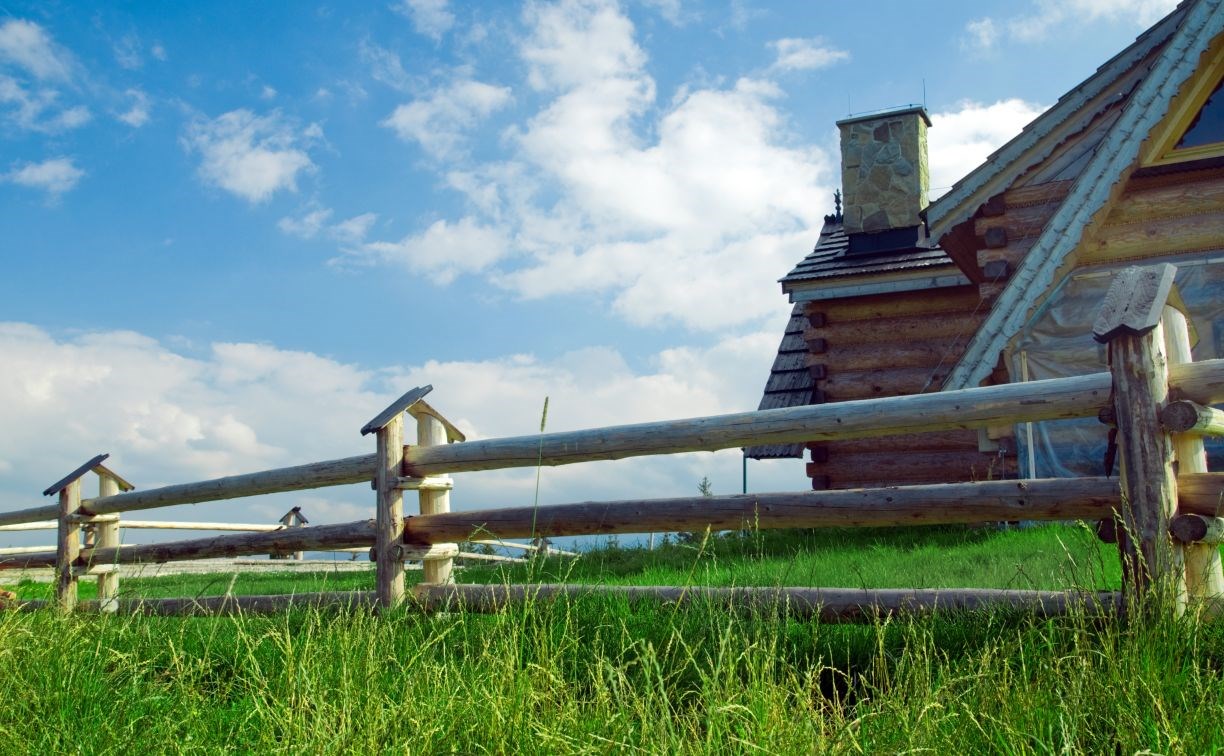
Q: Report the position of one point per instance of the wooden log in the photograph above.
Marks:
(1017, 222)
(1130, 322)
(67, 546)
(11, 550)
(247, 527)
(1012, 254)
(848, 385)
(30, 516)
(41, 525)
(334, 472)
(408, 553)
(829, 604)
(491, 558)
(889, 354)
(940, 325)
(995, 238)
(1037, 194)
(954, 440)
(872, 307)
(108, 538)
(1204, 572)
(1199, 494)
(1144, 201)
(390, 512)
(437, 569)
(224, 605)
(989, 501)
(894, 468)
(1198, 530)
(1155, 236)
(321, 537)
(1188, 417)
(1007, 404)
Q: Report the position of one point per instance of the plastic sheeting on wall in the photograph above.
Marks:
(1057, 342)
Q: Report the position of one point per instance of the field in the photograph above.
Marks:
(597, 675)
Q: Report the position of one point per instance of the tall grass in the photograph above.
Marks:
(598, 674)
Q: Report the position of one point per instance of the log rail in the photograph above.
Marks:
(1151, 498)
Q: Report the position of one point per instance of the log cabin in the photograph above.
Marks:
(998, 280)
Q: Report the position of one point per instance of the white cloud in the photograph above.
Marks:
(982, 34)
(39, 109)
(158, 52)
(54, 176)
(660, 208)
(267, 93)
(442, 252)
(307, 226)
(316, 222)
(251, 156)
(128, 53)
(961, 139)
(439, 121)
(27, 45)
(805, 54)
(385, 66)
(1050, 16)
(168, 418)
(138, 114)
(430, 17)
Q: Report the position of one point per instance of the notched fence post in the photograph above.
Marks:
(1129, 321)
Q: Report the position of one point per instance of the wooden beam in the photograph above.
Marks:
(390, 512)
(1007, 404)
(248, 527)
(943, 325)
(889, 354)
(1199, 530)
(437, 568)
(335, 472)
(223, 605)
(1204, 572)
(1188, 417)
(988, 501)
(829, 604)
(67, 545)
(108, 538)
(875, 306)
(1130, 322)
(879, 468)
(846, 385)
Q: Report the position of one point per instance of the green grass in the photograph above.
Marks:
(598, 675)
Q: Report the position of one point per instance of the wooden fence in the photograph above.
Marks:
(1162, 511)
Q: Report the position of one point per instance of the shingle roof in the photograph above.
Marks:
(831, 258)
(790, 384)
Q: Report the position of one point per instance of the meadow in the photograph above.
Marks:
(596, 674)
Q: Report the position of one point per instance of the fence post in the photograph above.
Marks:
(1129, 321)
(108, 538)
(67, 546)
(1204, 575)
(389, 516)
(432, 432)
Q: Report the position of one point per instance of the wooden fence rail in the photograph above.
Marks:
(1149, 365)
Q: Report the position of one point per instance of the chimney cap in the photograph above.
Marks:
(876, 115)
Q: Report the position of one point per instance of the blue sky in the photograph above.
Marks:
(232, 232)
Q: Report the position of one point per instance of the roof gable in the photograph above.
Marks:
(1116, 156)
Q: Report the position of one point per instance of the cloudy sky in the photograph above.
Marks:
(231, 232)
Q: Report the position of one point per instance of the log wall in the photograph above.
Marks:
(885, 345)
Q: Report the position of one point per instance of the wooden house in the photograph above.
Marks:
(998, 279)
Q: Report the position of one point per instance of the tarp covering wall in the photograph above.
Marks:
(1057, 342)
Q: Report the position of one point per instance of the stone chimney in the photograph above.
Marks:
(885, 177)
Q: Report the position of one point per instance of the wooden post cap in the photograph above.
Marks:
(1135, 301)
(1193, 528)
(395, 408)
(63, 482)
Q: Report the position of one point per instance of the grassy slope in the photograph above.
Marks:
(595, 675)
